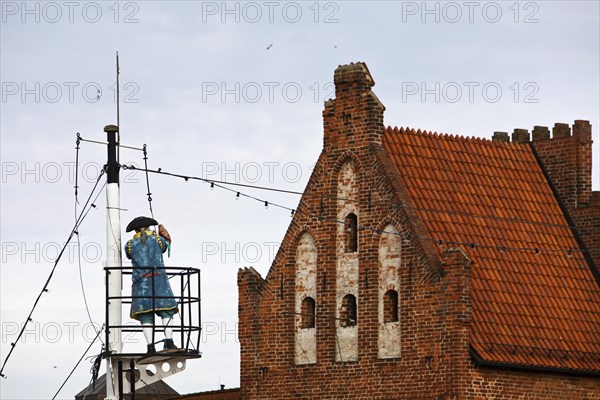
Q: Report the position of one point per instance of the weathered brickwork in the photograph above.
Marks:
(424, 354)
(389, 287)
(306, 296)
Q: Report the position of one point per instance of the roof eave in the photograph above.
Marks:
(479, 361)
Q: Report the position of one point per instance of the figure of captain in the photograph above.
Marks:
(151, 291)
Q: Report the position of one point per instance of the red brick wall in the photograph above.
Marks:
(567, 158)
(434, 293)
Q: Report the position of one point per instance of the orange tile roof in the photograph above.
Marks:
(532, 308)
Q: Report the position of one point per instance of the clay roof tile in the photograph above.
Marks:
(528, 308)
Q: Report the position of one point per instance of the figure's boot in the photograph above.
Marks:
(170, 345)
(151, 349)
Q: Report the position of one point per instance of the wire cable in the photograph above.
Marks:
(318, 217)
(83, 214)
(78, 362)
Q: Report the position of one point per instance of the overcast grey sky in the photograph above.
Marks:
(234, 91)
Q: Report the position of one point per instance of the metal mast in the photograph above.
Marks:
(114, 281)
(116, 385)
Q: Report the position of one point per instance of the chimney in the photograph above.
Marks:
(567, 158)
(355, 117)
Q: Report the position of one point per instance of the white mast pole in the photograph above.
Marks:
(114, 280)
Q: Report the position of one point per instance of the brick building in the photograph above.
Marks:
(421, 265)
(223, 394)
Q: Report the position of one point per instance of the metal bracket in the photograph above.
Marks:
(151, 370)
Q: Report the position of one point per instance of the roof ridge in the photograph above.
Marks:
(436, 135)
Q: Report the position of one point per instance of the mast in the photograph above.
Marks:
(118, 113)
(114, 280)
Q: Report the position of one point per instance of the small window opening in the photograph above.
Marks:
(351, 224)
(390, 306)
(348, 313)
(308, 313)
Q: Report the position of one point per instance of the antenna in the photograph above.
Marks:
(118, 120)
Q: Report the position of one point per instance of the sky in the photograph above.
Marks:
(231, 91)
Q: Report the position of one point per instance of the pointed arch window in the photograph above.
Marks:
(390, 306)
(351, 224)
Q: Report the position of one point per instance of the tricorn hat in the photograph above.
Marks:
(140, 222)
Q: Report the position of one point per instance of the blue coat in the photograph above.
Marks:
(148, 270)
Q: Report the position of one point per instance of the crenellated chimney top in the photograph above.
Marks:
(520, 135)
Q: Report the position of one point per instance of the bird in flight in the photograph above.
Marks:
(269, 46)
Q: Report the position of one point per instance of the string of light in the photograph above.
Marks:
(473, 245)
(74, 231)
